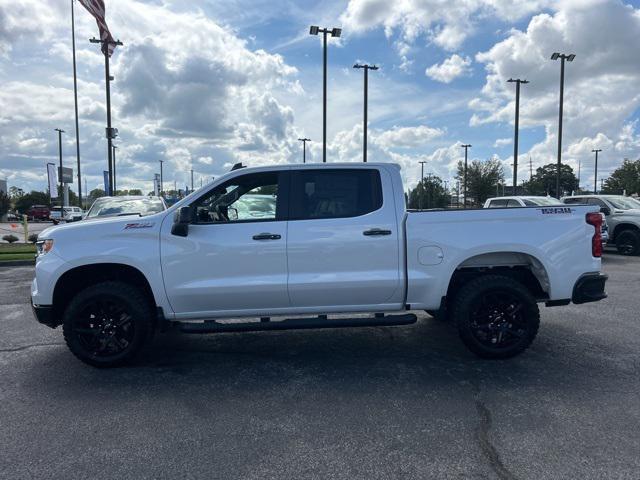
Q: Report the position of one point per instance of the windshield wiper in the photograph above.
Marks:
(132, 213)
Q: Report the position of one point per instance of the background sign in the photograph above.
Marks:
(53, 180)
(105, 174)
(66, 174)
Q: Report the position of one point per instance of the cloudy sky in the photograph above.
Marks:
(204, 84)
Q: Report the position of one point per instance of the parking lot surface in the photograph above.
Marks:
(373, 403)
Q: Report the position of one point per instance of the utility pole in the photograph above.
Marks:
(518, 82)
(568, 58)
(466, 147)
(366, 69)
(161, 179)
(192, 179)
(75, 98)
(110, 132)
(579, 168)
(530, 169)
(421, 192)
(335, 32)
(304, 148)
(595, 178)
(60, 132)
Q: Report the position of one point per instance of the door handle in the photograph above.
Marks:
(376, 232)
(267, 236)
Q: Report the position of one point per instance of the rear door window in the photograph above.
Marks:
(334, 193)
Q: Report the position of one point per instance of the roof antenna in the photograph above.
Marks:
(237, 166)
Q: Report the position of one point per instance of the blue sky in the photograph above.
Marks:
(204, 84)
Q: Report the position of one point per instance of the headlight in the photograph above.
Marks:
(44, 246)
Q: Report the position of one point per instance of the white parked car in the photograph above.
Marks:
(338, 243)
(65, 214)
(520, 201)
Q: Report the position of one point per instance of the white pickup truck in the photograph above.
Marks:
(312, 246)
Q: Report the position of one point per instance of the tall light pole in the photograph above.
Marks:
(518, 82)
(60, 132)
(421, 184)
(304, 148)
(568, 58)
(595, 178)
(366, 69)
(75, 98)
(192, 179)
(110, 132)
(466, 148)
(335, 32)
(115, 189)
(161, 178)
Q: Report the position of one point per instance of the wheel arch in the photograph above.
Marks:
(78, 278)
(522, 267)
(621, 227)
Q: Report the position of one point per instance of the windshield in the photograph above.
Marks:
(532, 201)
(623, 203)
(125, 206)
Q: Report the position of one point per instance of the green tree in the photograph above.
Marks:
(482, 178)
(135, 191)
(5, 204)
(543, 181)
(15, 192)
(625, 178)
(429, 193)
(24, 202)
(96, 193)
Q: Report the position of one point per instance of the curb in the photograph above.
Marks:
(18, 263)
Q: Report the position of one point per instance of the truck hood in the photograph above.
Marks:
(103, 226)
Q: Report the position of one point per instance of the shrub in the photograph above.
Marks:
(33, 238)
(10, 238)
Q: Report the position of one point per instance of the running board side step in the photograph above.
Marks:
(298, 323)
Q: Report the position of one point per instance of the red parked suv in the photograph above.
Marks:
(38, 212)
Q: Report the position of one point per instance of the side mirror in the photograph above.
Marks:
(181, 220)
(605, 210)
(232, 213)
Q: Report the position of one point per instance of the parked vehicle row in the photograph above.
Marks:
(327, 241)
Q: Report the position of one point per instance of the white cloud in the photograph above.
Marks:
(447, 24)
(502, 142)
(453, 67)
(407, 137)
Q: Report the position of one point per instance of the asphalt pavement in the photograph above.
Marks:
(372, 403)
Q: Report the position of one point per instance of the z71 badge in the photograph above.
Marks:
(555, 210)
(129, 226)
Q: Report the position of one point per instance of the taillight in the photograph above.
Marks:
(595, 219)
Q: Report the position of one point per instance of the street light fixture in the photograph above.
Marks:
(518, 82)
(595, 178)
(334, 32)
(366, 69)
(466, 148)
(568, 58)
(304, 148)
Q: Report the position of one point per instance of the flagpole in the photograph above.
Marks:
(75, 97)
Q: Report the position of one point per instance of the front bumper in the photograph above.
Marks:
(44, 315)
(589, 288)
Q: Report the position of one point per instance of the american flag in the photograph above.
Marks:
(96, 8)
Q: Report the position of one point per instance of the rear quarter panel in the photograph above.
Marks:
(559, 239)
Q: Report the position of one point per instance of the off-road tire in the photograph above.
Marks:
(116, 298)
(475, 297)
